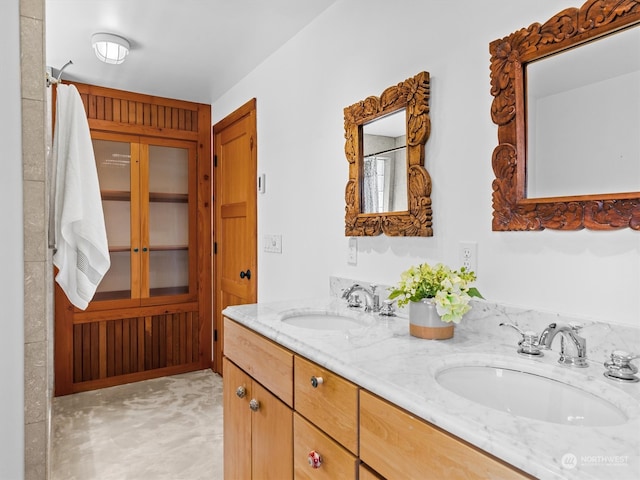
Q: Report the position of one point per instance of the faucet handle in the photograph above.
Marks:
(354, 301)
(387, 309)
(529, 346)
(575, 326)
(619, 367)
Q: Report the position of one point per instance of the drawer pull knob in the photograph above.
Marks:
(315, 381)
(254, 405)
(241, 392)
(315, 460)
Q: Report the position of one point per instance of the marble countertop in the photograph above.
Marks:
(383, 358)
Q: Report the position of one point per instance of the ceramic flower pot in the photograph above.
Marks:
(424, 321)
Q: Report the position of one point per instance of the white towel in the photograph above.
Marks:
(82, 254)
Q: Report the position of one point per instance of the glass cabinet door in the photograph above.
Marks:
(149, 204)
(113, 162)
(169, 229)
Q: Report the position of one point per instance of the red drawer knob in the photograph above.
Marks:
(315, 461)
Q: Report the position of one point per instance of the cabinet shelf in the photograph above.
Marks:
(158, 197)
(116, 195)
(168, 197)
(153, 248)
(153, 292)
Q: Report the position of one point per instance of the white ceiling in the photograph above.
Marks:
(186, 49)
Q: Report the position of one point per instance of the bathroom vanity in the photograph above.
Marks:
(363, 402)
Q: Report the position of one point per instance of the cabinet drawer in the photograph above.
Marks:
(268, 363)
(366, 474)
(332, 405)
(337, 462)
(399, 445)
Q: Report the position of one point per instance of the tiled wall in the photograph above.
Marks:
(37, 262)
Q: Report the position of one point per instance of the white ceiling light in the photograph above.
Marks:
(110, 48)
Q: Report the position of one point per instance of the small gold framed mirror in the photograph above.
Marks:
(389, 189)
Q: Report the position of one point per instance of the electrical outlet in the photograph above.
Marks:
(468, 256)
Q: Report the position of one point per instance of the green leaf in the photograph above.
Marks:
(473, 292)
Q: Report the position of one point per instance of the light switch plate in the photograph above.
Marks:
(352, 253)
(273, 243)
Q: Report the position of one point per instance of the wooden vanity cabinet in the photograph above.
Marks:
(304, 407)
(257, 441)
(398, 445)
(258, 400)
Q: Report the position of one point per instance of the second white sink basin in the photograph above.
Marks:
(323, 321)
(530, 395)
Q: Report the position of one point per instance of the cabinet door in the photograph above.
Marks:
(258, 442)
(236, 423)
(168, 220)
(272, 437)
(117, 159)
(149, 199)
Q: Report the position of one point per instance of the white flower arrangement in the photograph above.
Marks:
(449, 288)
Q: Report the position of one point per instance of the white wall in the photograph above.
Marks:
(358, 48)
(11, 248)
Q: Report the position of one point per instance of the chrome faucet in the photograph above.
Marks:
(371, 298)
(569, 333)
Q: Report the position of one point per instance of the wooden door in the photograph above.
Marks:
(235, 229)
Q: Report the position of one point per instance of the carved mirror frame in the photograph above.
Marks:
(413, 95)
(509, 56)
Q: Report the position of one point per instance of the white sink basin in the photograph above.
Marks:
(529, 395)
(323, 321)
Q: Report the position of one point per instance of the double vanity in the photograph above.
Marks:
(358, 392)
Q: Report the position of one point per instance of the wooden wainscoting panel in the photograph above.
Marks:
(144, 345)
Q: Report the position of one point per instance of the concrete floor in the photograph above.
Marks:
(166, 428)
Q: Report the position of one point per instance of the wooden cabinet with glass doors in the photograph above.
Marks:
(150, 227)
(150, 315)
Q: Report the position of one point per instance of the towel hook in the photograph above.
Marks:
(52, 80)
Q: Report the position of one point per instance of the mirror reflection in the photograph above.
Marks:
(384, 177)
(583, 119)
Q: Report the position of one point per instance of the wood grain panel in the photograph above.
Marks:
(138, 110)
(117, 347)
(337, 462)
(332, 405)
(366, 474)
(267, 362)
(399, 445)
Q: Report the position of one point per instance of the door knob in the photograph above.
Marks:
(254, 405)
(246, 274)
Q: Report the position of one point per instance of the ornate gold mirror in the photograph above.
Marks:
(567, 106)
(389, 189)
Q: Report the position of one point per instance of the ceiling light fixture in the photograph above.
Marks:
(110, 48)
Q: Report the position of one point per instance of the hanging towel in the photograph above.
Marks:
(82, 254)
